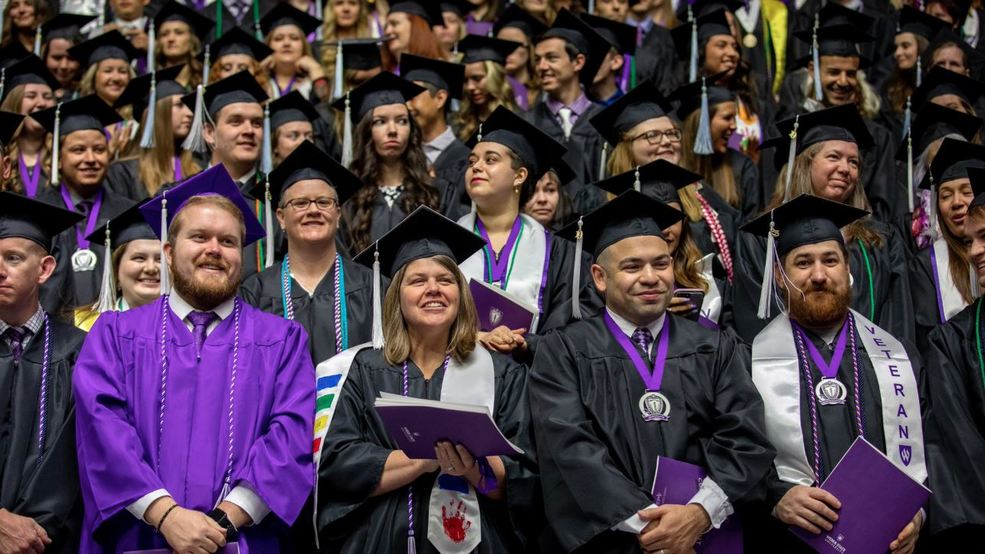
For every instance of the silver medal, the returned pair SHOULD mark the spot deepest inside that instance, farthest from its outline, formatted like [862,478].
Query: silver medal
[830,392]
[654,406]
[83,260]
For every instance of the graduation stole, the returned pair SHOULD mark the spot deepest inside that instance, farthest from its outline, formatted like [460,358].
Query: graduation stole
[526,274]
[776,373]
[949,300]
[711,306]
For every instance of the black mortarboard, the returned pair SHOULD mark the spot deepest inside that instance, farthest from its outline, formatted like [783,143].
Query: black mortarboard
[806,219]
[837,40]
[9,123]
[237,88]
[583,38]
[658,179]
[952,161]
[701,7]
[107,46]
[307,161]
[65,25]
[359,53]
[832,14]
[843,123]
[83,114]
[912,20]
[291,107]
[33,220]
[708,25]
[138,89]
[947,36]
[12,52]
[128,225]
[31,70]
[437,73]
[459,7]
[689,95]
[631,214]
[517,17]
[428,10]
[424,233]
[933,122]
[382,90]
[977,177]
[237,41]
[176,11]
[283,13]
[636,106]
[536,149]
[620,36]
[940,81]
[477,48]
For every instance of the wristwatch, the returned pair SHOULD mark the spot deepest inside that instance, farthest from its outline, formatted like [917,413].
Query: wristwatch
[222,518]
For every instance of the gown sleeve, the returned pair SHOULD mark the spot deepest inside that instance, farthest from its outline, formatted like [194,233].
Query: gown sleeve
[52,497]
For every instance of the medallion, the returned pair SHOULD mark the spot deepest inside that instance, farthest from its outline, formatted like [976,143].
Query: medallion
[83,260]
[749,40]
[654,406]
[830,392]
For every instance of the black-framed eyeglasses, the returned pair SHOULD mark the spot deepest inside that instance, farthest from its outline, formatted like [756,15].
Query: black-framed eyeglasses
[656,137]
[301,204]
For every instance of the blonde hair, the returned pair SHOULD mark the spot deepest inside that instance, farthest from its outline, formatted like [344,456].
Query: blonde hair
[255,71]
[330,32]
[461,336]
[156,165]
[501,94]
[87,85]
[190,75]
[715,169]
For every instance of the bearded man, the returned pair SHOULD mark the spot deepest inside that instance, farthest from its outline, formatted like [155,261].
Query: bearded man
[195,411]
[827,375]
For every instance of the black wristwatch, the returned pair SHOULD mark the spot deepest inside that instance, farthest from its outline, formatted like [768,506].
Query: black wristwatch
[222,519]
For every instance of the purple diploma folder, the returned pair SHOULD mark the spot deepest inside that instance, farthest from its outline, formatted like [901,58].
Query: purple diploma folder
[416,424]
[676,482]
[877,499]
[497,307]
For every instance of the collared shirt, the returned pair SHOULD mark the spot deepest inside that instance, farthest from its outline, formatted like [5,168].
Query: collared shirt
[970,28]
[138,24]
[245,178]
[32,327]
[182,308]
[628,328]
[434,148]
[578,107]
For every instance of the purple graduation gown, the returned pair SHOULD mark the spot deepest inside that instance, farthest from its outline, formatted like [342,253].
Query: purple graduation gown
[117,384]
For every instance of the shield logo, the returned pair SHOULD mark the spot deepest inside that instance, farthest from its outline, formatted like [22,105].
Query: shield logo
[495,316]
[906,453]
[830,389]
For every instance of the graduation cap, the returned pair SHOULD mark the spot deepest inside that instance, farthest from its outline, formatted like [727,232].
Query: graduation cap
[382,90]
[977,177]
[241,87]
[658,179]
[536,149]
[12,52]
[701,7]
[138,89]
[36,221]
[438,73]
[583,38]
[199,24]
[461,8]
[358,54]
[912,20]
[701,95]
[688,36]
[934,121]
[424,233]
[940,81]
[9,123]
[107,46]
[283,13]
[631,214]
[65,25]
[291,107]
[237,41]
[806,219]
[636,106]
[83,114]
[477,48]
[621,37]
[947,36]
[125,227]
[428,10]
[952,161]
[30,70]
[518,18]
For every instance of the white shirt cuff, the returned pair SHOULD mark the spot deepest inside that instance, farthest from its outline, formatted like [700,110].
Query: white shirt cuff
[251,503]
[633,524]
[713,499]
[139,508]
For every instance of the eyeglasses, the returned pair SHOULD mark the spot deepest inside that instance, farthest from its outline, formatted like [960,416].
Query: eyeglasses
[301,204]
[656,137]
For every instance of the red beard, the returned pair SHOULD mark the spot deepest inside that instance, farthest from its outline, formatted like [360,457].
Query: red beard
[201,294]
[820,308]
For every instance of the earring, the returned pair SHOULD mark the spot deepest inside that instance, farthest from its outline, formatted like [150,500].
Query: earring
[516,189]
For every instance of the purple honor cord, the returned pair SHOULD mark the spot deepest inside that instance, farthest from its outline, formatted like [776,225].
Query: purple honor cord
[29,179]
[91,218]
[652,379]
[498,272]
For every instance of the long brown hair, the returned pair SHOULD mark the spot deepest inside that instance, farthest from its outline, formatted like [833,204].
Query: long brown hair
[40,16]
[368,166]
[422,43]
[500,94]
[902,82]
[461,336]
[715,169]
[156,165]
[957,259]
[12,103]
[686,258]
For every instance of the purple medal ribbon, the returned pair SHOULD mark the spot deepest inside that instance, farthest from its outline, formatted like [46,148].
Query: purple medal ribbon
[91,218]
[652,379]
[497,274]
[285,90]
[519,92]
[29,180]
[828,369]
[178,176]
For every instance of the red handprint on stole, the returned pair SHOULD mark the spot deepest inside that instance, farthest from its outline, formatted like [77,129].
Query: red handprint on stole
[456,526]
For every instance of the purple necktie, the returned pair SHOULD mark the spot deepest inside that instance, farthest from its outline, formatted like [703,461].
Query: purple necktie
[200,322]
[643,338]
[16,338]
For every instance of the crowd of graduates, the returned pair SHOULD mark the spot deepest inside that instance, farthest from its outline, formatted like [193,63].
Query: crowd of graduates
[228,226]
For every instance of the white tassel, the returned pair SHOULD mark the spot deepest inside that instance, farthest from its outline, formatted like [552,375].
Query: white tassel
[147,139]
[909,171]
[702,142]
[976,289]
[791,155]
[576,278]
[907,116]
[637,186]
[816,59]
[267,150]
[37,42]
[207,61]
[195,141]
[3,7]
[932,223]
[337,86]
[3,70]
[377,301]
[55,145]
[591,6]
[603,160]
[347,134]
[692,72]
[165,275]
[101,16]
[107,287]
[411,545]
[319,32]
[919,71]
[268,219]
[769,281]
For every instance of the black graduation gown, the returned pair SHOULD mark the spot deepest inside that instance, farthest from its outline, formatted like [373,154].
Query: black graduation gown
[584,147]
[316,313]
[357,445]
[890,284]
[926,312]
[449,179]
[85,283]
[123,179]
[597,455]
[384,218]
[656,60]
[252,261]
[956,438]
[49,492]
[748,182]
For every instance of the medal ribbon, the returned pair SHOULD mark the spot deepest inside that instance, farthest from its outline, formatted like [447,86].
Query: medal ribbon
[91,218]
[178,176]
[29,180]
[496,268]
[285,90]
[828,369]
[652,379]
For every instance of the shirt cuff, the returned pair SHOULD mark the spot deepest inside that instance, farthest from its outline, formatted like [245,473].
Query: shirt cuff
[713,499]
[633,524]
[243,496]
[139,508]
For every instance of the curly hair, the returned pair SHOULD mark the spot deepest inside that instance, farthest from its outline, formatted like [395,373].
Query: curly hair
[368,166]
[12,103]
[500,92]
[422,43]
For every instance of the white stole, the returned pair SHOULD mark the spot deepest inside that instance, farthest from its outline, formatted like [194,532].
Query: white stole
[711,306]
[949,299]
[526,273]
[776,373]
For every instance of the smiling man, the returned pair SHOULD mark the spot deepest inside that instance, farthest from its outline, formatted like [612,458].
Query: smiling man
[612,393]
[195,411]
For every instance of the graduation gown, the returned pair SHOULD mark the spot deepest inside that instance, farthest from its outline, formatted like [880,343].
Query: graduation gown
[749,184]
[316,312]
[927,297]
[254,254]
[384,218]
[123,179]
[449,179]
[597,455]
[123,455]
[656,60]
[889,285]
[584,146]
[357,445]
[49,492]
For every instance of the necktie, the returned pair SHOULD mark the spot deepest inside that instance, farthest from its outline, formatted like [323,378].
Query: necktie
[84,206]
[565,113]
[16,338]
[643,338]
[200,323]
